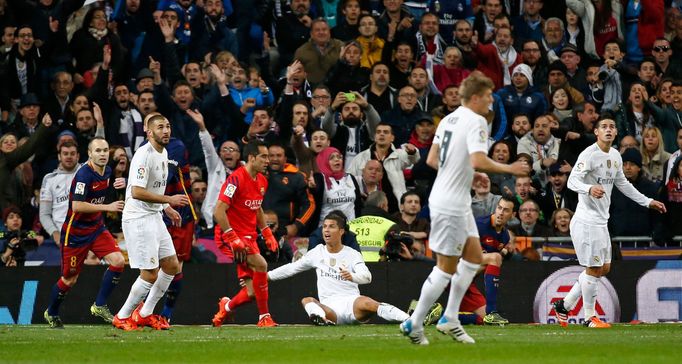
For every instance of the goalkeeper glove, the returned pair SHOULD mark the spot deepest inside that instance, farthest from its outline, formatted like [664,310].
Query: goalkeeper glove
[238,247]
[270,240]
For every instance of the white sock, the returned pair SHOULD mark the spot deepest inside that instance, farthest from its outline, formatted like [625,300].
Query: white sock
[574,294]
[459,283]
[588,284]
[389,312]
[137,293]
[312,308]
[159,288]
[433,287]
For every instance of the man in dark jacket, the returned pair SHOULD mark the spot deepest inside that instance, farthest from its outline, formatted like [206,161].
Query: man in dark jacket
[521,97]
[288,194]
[627,217]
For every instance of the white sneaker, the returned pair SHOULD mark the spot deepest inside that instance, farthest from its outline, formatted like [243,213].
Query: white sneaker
[455,330]
[416,337]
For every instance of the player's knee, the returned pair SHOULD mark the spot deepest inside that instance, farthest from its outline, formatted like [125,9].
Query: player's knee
[70,281]
[117,261]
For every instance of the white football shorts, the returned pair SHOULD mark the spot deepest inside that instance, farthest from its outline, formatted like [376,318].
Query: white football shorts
[592,244]
[148,241]
[449,233]
[343,307]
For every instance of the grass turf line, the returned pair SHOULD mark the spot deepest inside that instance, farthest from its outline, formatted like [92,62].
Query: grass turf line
[348,344]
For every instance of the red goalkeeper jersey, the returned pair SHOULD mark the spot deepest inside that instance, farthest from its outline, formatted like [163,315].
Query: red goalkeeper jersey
[245,196]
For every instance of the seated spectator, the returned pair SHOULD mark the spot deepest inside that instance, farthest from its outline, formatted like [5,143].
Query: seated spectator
[521,125]
[627,217]
[347,75]
[673,157]
[373,225]
[654,157]
[570,57]
[529,214]
[502,152]
[562,105]
[320,53]
[372,45]
[409,223]
[334,189]
[12,155]
[671,195]
[483,202]
[372,175]
[357,122]
[557,77]
[393,160]
[520,97]
[451,72]
[532,54]
[346,28]
[450,101]
[287,195]
[88,42]
[576,132]
[405,114]
[628,141]
[13,250]
[555,194]
[542,146]
[561,222]
[378,92]
[54,191]
[427,98]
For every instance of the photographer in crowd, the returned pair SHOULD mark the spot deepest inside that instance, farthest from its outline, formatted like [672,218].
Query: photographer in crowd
[14,243]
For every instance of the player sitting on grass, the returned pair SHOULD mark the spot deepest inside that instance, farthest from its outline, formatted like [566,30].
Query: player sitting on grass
[340,270]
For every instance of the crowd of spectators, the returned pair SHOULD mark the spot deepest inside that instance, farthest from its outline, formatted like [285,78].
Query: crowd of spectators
[348,95]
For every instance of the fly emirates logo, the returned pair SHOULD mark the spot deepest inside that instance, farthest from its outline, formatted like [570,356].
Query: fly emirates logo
[253,204]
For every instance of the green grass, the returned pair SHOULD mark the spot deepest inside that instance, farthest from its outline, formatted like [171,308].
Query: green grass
[640,344]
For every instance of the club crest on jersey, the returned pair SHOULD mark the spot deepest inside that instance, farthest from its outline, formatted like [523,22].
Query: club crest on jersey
[332,262]
[80,188]
[230,190]
[608,163]
[262,190]
[140,173]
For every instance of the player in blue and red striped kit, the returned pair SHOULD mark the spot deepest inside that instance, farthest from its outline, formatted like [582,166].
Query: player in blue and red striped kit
[84,231]
[178,183]
[495,242]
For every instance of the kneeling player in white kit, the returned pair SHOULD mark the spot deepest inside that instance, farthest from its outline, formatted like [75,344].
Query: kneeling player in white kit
[340,270]
[597,170]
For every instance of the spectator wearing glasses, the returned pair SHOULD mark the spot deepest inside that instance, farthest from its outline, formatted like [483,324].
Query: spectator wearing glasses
[529,214]
[662,53]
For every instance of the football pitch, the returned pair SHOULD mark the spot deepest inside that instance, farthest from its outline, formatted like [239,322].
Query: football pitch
[623,343]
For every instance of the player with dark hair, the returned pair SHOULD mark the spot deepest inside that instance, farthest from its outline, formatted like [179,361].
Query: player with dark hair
[150,246]
[84,230]
[340,270]
[237,214]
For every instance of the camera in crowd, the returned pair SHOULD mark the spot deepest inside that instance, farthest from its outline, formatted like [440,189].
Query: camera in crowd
[26,242]
[393,247]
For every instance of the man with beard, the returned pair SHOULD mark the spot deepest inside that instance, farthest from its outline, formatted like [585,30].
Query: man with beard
[219,165]
[553,39]
[378,92]
[558,78]
[556,195]
[287,194]
[532,56]
[293,29]
[150,247]
[542,146]
[464,40]
[123,122]
[355,130]
[145,102]
[577,133]
[305,155]
[498,59]
[210,32]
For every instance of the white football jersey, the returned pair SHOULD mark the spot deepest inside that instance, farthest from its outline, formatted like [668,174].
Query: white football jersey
[326,264]
[149,170]
[595,167]
[459,134]
[55,189]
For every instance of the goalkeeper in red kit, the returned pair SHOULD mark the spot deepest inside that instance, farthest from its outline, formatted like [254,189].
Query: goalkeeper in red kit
[237,213]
